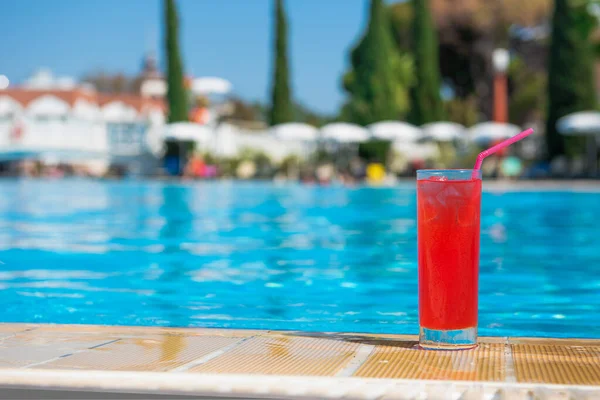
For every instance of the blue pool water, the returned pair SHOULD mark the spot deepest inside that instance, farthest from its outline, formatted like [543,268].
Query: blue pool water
[258,255]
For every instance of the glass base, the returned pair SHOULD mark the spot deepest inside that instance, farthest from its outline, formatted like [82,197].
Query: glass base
[459,339]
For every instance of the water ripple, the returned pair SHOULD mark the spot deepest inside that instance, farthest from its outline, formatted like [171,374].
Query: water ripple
[257,255]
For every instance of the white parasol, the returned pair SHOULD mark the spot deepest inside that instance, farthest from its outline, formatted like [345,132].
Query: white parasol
[443,131]
[295,131]
[343,132]
[395,130]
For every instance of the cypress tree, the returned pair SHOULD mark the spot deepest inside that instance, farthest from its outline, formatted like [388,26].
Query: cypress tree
[281,103]
[570,70]
[176,94]
[375,82]
[426,103]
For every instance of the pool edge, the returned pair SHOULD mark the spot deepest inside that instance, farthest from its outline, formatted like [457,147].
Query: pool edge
[351,365]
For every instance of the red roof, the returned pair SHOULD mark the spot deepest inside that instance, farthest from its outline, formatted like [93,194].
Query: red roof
[138,102]
[26,96]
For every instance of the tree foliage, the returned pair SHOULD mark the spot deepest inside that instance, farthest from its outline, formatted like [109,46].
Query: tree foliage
[244,111]
[570,69]
[377,84]
[462,110]
[281,101]
[176,93]
[468,32]
[304,114]
[426,103]
[484,15]
[527,93]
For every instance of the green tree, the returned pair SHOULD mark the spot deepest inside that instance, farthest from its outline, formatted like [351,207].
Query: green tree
[380,75]
[527,88]
[570,70]
[308,116]
[468,32]
[176,93]
[462,110]
[281,107]
[426,102]
[243,111]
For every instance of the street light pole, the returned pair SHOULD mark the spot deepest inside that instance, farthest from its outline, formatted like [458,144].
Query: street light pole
[500,60]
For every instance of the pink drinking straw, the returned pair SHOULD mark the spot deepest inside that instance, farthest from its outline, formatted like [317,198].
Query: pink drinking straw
[498,147]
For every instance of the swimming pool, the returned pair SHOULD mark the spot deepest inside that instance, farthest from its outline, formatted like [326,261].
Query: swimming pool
[259,255]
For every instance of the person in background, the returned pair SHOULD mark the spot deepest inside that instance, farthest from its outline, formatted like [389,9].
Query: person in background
[346,178]
[195,167]
[358,169]
[325,174]
[307,176]
[211,171]
[511,167]
[200,113]
[375,173]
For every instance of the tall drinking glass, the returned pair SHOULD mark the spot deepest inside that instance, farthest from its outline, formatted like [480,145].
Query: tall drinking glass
[448,203]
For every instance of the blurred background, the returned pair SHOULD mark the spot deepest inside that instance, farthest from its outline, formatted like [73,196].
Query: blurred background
[342,91]
[251,164]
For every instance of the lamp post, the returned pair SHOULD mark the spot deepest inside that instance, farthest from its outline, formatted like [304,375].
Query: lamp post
[500,61]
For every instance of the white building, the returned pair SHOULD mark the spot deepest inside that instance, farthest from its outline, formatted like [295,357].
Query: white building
[56,118]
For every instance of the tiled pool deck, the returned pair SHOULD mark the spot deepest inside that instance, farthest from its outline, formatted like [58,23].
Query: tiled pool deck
[266,364]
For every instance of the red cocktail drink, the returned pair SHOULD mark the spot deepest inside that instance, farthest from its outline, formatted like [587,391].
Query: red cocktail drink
[448,239]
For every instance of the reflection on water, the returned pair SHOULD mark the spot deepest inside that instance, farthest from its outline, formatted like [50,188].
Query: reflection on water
[245,255]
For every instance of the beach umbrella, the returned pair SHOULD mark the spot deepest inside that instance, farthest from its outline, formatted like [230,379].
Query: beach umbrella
[342,132]
[348,135]
[443,131]
[416,151]
[487,132]
[211,85]
[187,132]
[295,131]
[306,134]
[395,130]
[580,123]
[585,123]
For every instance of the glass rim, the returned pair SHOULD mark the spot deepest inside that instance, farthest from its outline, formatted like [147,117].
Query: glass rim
[447,170]
[449,174]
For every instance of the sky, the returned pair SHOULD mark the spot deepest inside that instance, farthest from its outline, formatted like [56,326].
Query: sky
[231,39]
